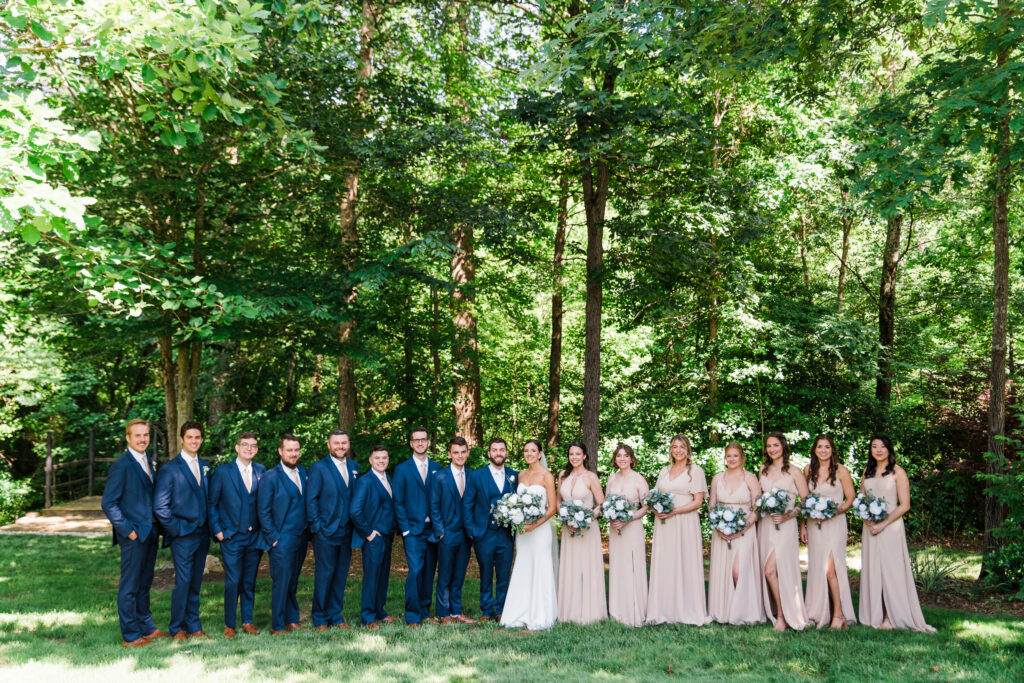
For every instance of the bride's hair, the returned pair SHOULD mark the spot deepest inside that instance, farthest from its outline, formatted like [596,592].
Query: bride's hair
[540,449]
[568,465]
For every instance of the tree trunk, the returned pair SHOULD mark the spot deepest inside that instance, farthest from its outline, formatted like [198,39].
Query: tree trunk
[169,375]
[347,229]
[435,352]
[847,230]
[218,400]
[555,363]
[1000,298]
[188,374]
[803,252]
[887,310]
[595,175]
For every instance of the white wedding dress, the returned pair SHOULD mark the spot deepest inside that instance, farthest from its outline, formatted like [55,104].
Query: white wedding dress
[531,599]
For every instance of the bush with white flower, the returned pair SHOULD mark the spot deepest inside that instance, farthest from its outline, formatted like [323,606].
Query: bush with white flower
[870,508]
[514,511]
[775,502]
[617,508]
[727,520]
[576,516]
[819,508]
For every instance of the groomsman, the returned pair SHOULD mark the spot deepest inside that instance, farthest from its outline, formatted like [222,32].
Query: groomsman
[181,504]
[373,514]
[282,513]
[128,504]
[412,506]
[494,545]
[447,489]
[328,501]
[235,524]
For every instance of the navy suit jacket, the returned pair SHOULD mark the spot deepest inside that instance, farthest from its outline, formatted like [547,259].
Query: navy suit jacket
[446,509]
[412,496]
[329,498]
[480,494]
[232,509]
[128,498]
[372,508]
[180,502]
[282,508]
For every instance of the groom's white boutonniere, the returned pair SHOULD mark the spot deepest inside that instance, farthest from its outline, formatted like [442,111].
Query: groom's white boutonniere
[206,470]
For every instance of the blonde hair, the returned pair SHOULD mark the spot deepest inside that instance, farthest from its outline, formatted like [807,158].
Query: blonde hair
[132,423]
[689,449]
[737,446]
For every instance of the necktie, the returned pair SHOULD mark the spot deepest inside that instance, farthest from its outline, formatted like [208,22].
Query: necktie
[193,464]
[294,475]
[344,472]
[460,482]
[144,462]
[384,480]
[423,472]
[247,477]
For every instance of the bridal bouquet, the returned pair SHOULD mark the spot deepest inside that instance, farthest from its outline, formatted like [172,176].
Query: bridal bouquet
[660,501]
[617,508]
[575,515]
[727,521]
[515,510]
[869,508]
[819,508]
[774,502]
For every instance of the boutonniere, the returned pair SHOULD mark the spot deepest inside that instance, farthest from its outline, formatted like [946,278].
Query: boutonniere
[355,474]
[206,470]
[509,478]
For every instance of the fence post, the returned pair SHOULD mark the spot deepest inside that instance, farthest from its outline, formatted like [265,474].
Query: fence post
[92,456]
[47,488]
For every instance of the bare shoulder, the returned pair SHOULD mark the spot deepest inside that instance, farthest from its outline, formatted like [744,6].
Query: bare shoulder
[900,472]
[797,474]
[844,471]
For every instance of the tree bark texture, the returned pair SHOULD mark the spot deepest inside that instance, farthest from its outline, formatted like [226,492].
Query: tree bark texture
[847,231]
[555,362]
[169,377]
[887,310]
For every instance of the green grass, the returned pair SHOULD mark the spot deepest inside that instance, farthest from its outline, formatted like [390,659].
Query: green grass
[58,621]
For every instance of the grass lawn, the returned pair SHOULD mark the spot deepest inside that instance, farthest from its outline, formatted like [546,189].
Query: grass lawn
[58,622]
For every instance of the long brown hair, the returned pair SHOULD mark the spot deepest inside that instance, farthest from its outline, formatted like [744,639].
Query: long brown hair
[833,463]
[785,452]
[689,450]
[628,450]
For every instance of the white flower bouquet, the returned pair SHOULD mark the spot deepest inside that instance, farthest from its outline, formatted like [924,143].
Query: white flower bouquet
[819,508]
[515,510]
[660,501]
[869,508]
[727,521]
[775,502]
[575,515]
[617,508]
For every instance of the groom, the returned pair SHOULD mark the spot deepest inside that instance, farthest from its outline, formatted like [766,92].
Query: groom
[494,545]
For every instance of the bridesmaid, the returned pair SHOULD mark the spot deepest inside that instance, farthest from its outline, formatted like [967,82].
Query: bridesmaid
[780,548]
[581,597]
[828,584]
[888,596]
[627,544]
[676,593]
[734,590]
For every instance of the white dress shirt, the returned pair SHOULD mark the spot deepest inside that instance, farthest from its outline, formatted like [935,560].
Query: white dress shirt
[193,464]
[246,472]
[342,466]
[499,476]
[142,460]
[460,479]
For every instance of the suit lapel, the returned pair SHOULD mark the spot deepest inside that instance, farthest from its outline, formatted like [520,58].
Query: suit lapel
[188,473]
[138,468]
[236,477]
[335,473]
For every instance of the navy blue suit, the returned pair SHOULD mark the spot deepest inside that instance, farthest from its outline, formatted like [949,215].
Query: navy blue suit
[412,507]
[446,512]
[282,513]
[233,513]
[328,501]
[128,504]
[494,545]
[373,509]
[181,505]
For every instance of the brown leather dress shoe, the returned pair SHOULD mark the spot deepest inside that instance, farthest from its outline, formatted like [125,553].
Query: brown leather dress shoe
[498,618]
[294,626]
[389,620]
[138,642]
[157,634]
[463,619]
[197,634]
[449,620]
[414,624]
[180,635]
[344,626]
[277,633]
[250,629]
[229,632]
[484,618]
[322,627]
[434,620]
[373,624]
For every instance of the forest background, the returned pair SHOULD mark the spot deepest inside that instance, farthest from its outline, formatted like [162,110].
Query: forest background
[588,219]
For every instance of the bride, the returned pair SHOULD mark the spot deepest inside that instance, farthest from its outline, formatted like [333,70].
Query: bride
[531,600]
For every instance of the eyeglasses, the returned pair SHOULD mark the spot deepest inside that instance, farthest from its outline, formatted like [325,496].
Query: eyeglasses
[420,440]
[248,446]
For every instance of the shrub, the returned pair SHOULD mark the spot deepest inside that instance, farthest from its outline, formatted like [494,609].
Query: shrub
[14,497]
[932,571]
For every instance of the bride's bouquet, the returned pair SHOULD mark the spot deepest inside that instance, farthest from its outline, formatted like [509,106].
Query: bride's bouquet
[869,508]
[515,510]
[660,501]
[575,515]
[617,508]
[819,508]
[727,520]
[774,502]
